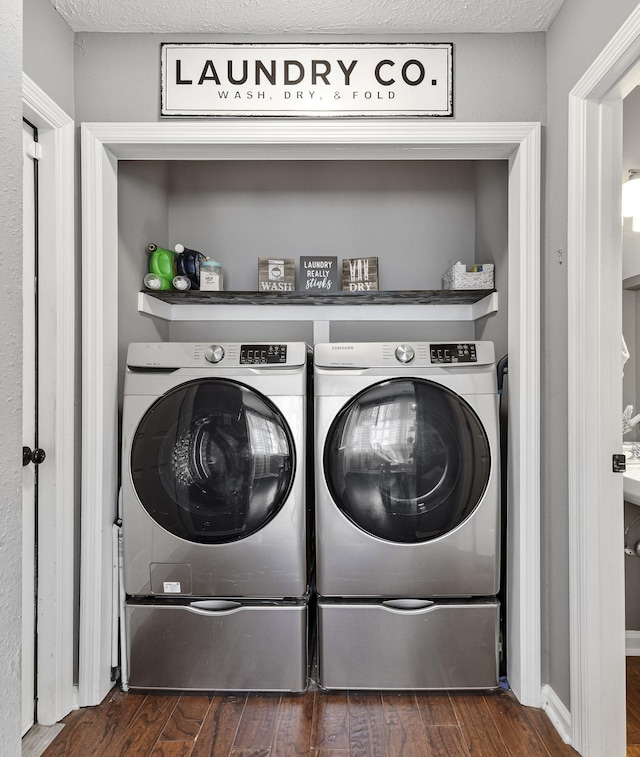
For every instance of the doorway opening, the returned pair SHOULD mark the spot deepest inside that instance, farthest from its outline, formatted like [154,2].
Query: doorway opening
[54,608]
[103,145]
[595,395]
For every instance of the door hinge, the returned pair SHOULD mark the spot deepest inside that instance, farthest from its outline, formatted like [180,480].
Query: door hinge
[33,149]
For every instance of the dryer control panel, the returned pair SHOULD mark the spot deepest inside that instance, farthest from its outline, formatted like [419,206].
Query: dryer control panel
[400,356]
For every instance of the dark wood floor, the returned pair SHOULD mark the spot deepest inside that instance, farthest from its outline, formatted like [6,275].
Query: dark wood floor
[321,724]
[318,724]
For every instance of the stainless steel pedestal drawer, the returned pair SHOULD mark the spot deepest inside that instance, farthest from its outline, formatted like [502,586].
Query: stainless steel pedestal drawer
[218,645]
[408,644]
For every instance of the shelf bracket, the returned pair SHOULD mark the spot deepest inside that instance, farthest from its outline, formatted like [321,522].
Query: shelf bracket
[321,331]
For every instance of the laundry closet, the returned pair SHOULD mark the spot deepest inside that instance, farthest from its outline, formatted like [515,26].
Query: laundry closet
[417,216]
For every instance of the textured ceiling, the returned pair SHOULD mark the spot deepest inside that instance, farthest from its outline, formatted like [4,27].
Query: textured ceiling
[308,16]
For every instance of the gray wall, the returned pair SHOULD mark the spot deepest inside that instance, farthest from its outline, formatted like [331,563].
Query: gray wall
[143,212]
[492,244]
[48,52]
[11,373]
[498,77]
[407,213]
[580,31]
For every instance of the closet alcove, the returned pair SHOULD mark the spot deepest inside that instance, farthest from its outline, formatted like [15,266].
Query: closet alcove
[107,300]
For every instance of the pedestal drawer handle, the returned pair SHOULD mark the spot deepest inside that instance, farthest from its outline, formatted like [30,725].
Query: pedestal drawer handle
[408,604]
[215,605]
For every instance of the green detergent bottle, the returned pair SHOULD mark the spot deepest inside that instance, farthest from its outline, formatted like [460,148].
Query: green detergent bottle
[162,265]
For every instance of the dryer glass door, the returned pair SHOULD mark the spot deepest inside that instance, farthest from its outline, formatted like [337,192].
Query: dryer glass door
[212,461]
[407,460]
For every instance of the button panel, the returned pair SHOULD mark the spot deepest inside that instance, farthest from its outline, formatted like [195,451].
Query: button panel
[453,353]
[263,354]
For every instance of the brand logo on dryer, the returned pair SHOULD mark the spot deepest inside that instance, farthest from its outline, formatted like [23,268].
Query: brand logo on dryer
[342,347]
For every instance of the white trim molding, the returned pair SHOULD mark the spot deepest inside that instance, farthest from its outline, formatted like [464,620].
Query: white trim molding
[632,643]
[523,483]
[594,258]
[104,144]
[557,713]
[56,516]
[99,417]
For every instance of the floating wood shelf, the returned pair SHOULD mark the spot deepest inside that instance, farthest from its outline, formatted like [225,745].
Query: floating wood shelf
[321,309]
[431,297]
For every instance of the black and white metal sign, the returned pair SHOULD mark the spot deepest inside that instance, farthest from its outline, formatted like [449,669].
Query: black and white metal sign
[200,79]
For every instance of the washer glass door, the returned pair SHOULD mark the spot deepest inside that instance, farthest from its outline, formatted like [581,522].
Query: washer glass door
[407,460]
[212,461]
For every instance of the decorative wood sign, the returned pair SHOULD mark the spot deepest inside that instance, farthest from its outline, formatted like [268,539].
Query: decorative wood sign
[402,79]
[360,274]
[318,275]
[276,274]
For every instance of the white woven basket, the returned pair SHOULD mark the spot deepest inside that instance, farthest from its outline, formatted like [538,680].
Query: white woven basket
[462,276]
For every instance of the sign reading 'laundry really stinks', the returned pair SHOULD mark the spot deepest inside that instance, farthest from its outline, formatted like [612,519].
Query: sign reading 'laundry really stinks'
[307,80]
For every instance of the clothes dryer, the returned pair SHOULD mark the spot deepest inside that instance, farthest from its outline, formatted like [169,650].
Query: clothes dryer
[407,515]
[214,516]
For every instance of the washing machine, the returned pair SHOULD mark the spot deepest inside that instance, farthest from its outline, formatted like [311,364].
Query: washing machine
[214,516]
[407,515]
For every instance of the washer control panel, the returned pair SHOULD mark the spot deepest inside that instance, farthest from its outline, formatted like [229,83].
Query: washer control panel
[464,352]
[263,354]
[253,356]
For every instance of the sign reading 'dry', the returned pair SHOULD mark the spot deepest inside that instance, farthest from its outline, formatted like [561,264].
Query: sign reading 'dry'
[207,79]
[360,275]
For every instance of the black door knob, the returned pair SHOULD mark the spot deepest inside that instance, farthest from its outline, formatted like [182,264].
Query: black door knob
[35,456]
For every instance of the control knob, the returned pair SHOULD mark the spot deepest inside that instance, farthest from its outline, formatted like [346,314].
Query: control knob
[405,353]
[214,353]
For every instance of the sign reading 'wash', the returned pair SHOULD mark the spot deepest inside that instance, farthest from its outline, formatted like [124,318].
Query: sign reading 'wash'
[307,80]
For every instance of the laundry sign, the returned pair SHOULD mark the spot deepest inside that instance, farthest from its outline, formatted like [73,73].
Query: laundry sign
[200,80]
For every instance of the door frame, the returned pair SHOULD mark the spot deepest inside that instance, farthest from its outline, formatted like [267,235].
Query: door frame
[104,144]
[595,395]
[29,421]
[56,693]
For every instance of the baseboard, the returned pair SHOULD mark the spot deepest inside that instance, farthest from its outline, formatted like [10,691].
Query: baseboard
[557,713]
[632,643]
